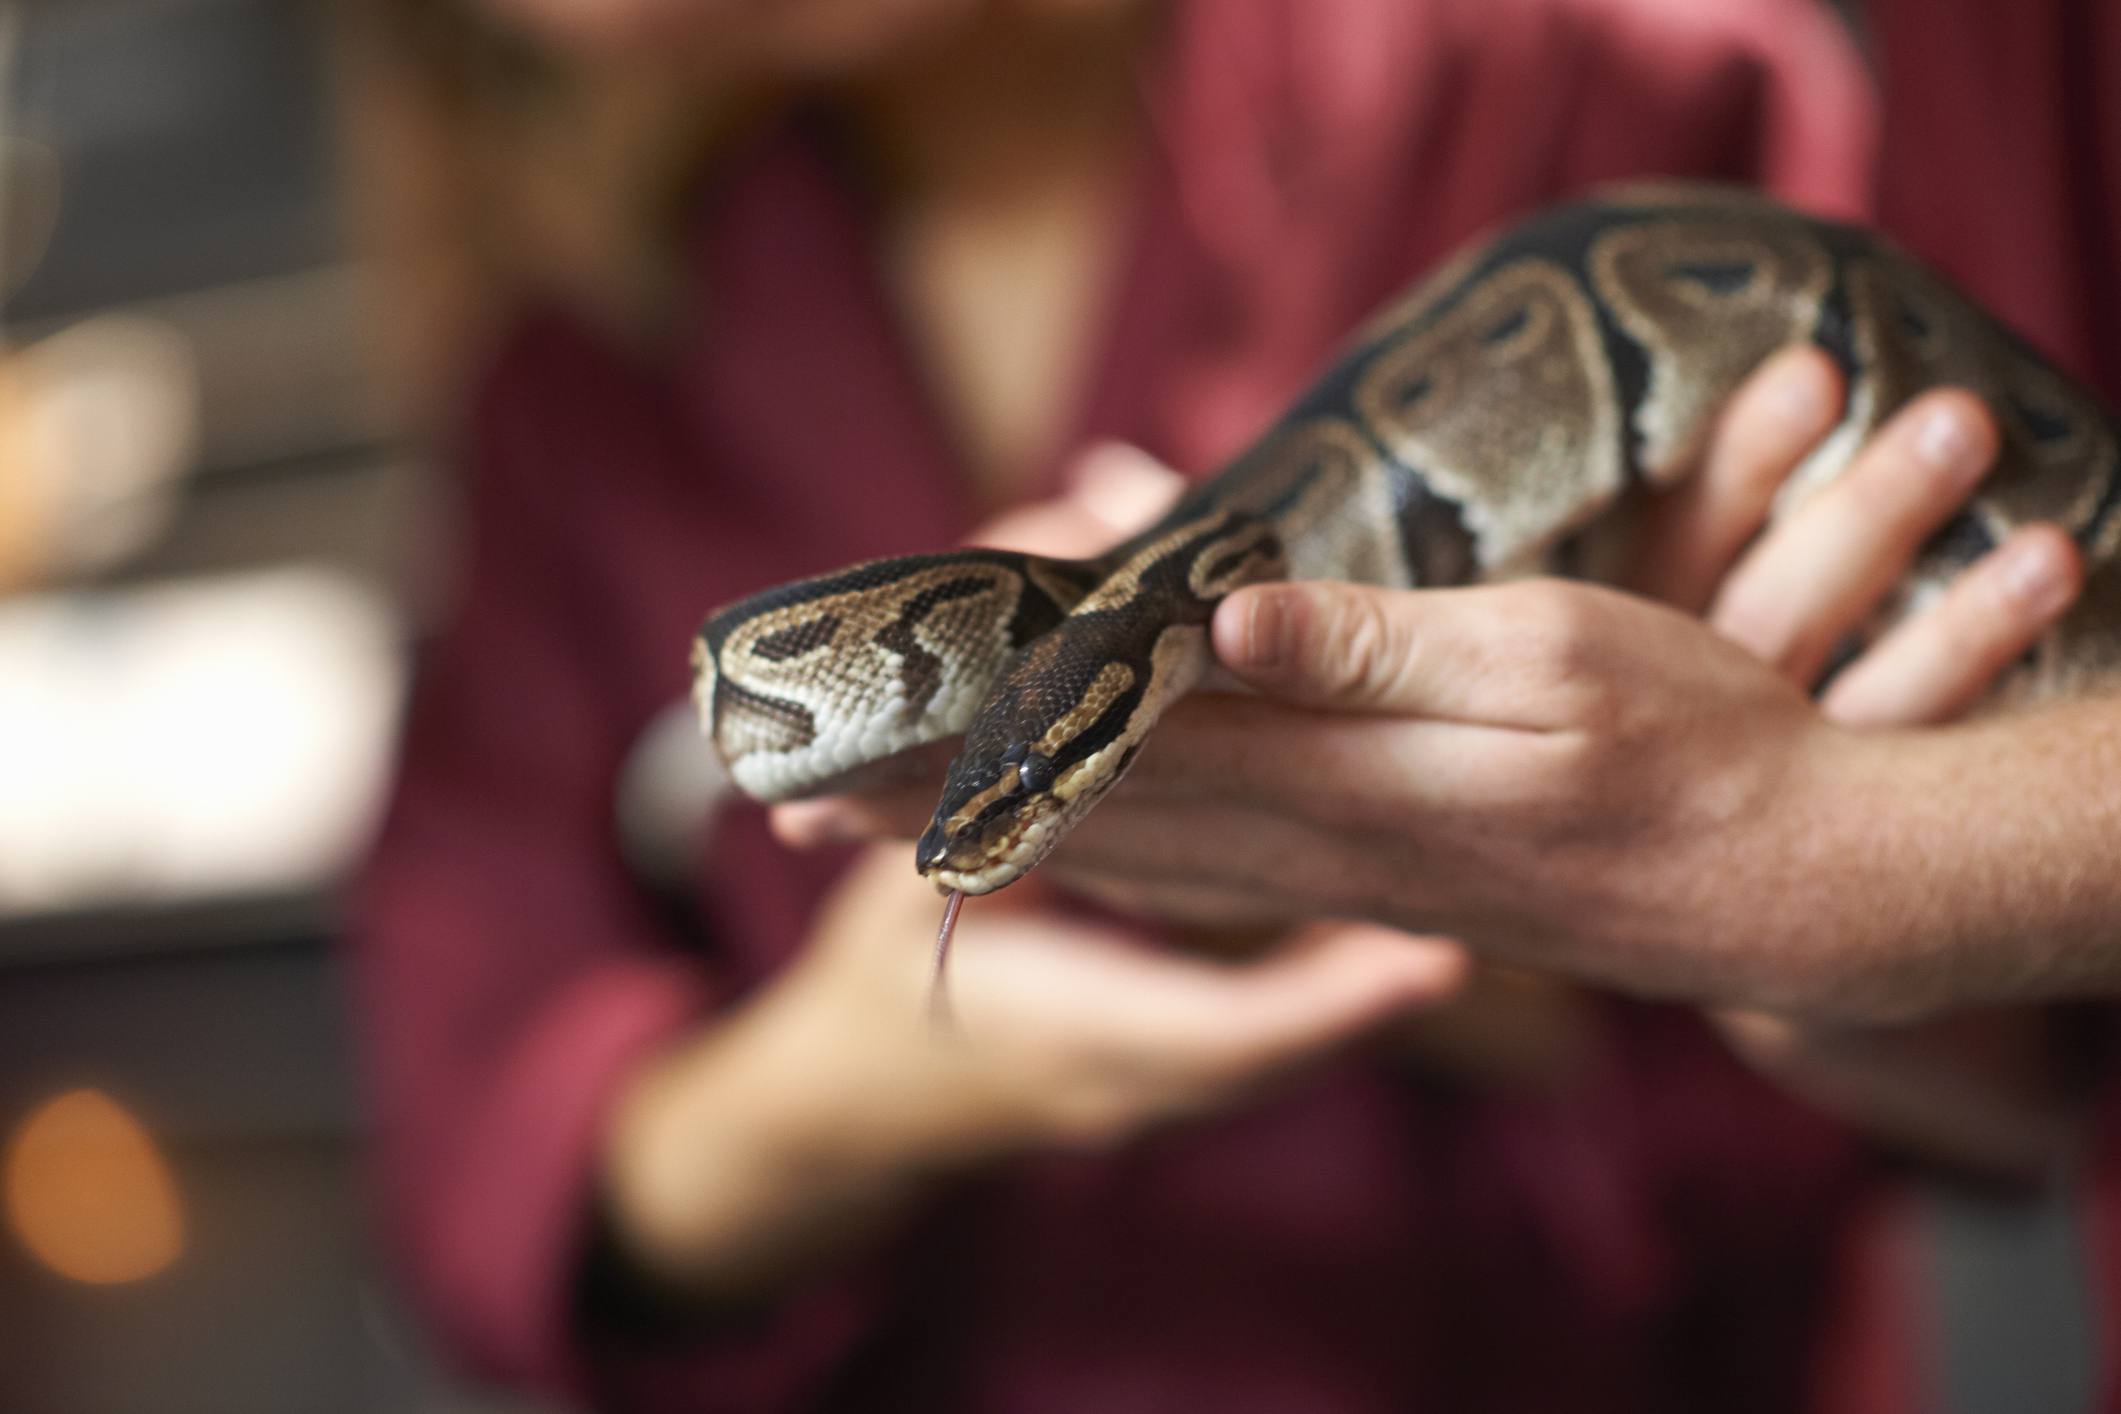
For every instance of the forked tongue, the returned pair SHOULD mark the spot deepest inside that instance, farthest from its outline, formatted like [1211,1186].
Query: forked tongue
[939,980]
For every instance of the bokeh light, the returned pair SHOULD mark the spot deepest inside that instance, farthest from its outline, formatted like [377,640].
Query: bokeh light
[89,1194]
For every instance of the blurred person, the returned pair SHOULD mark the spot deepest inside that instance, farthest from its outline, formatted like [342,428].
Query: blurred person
[737,293]
[1912,876]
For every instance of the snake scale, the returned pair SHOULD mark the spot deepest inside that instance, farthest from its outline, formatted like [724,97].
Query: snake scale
[1496,422]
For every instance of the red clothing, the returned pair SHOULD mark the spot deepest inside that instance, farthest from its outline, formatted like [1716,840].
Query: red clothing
[2002,161]
[2002,164]
[1654,1238]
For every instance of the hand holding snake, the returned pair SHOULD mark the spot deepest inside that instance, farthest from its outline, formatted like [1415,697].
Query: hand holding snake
[1520,412]
[1079,1035]
[1218,829]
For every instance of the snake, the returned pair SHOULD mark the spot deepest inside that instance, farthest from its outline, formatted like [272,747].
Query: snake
[1507,417]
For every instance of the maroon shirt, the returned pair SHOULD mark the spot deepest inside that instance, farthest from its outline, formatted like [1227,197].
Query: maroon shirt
[2002,165]
[1654,1236]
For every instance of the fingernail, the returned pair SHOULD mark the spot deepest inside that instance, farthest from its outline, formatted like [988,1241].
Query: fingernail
[1800,392]
[1266,639]
[2033,577]
[1946,441]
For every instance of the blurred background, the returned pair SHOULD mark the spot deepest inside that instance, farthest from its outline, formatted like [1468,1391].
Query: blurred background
[207,590]
[212,570]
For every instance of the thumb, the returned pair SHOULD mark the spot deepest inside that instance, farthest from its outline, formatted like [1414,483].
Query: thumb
[1519,655]
[1324,644]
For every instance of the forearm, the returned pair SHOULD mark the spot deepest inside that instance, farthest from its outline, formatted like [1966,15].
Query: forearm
[1983,862]
[787,1133]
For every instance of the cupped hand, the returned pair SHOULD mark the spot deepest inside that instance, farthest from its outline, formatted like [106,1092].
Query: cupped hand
[774,1137]
[1062,1030]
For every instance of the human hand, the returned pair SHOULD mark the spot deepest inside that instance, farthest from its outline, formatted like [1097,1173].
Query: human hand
[1476,763]
[1792,595]
[779,1135]
[1793,590]
[1978,1088]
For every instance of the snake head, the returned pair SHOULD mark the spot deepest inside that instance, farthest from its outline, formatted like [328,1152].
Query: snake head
[1067,718]
[1015,791]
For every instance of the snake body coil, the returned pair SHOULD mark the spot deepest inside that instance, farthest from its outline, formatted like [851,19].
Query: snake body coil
[1490,425]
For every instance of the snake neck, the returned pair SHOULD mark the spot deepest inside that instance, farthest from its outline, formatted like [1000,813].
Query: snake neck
[1066,720]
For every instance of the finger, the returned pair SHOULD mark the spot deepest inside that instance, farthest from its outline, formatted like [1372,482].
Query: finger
[1500,656]
[1272,860]
[1234,1025]
[1939,663]
[886,799]
[1340,770]
[1113,490]
[1189,906]
[1060,529]
[1237,754]
[1822,569]
[847,819]
[1775,420]
[1123,487]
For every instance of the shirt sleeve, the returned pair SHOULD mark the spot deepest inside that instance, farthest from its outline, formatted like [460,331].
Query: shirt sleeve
[508,971]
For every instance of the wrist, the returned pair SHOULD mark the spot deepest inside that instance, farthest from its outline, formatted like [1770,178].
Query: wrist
[1866,921]
[1940,868]
[739,1158]
[2016,837]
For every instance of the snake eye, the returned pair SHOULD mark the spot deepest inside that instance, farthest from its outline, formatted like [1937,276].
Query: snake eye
[1036,772]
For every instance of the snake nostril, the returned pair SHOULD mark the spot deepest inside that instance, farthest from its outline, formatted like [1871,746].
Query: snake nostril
[932,849]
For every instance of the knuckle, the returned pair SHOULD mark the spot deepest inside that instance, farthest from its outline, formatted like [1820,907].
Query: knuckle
[1556,616]
[1752,625]
[1566,641]
[1371,649]
[1772,628]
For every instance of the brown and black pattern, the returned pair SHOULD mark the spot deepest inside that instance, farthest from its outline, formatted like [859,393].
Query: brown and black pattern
[1499,420]
[1070,714]
[894,653]
[1706,301]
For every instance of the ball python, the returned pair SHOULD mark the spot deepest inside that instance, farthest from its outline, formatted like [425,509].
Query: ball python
[1500,420]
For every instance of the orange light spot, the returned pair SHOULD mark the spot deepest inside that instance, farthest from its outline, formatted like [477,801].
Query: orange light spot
[89,1194]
